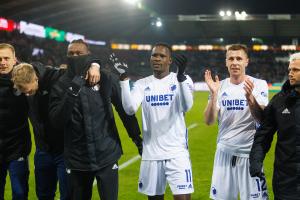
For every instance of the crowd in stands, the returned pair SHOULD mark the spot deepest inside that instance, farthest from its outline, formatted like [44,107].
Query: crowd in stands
[263,64]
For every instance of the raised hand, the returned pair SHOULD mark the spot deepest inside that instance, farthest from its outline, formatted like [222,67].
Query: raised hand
[181,62]
[212,85]
[248,87]
[121,67]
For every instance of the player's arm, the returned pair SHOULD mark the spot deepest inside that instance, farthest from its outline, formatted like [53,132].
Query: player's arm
[129,121]
[93,73]
[258,103]
[262,141]
[185,83]
[211,110]
[131,100]
[186,94]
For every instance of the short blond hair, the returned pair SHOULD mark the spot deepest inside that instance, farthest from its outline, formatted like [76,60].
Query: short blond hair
[295,56]
[23,73]
[8,46]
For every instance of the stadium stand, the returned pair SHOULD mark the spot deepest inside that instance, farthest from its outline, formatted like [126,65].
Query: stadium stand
[263,64]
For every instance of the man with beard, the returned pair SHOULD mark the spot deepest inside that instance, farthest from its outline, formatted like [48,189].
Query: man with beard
[282,115]
[238,101]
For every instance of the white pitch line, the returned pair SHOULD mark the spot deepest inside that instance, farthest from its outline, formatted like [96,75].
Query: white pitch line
[137,157]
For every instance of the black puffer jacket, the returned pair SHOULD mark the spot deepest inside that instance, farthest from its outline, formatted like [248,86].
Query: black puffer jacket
[281,115]
[15,138]
[91,137]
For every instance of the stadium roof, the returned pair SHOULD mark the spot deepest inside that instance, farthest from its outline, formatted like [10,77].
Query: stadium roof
[198,21]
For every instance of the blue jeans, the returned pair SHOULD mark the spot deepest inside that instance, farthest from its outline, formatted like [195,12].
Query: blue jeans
[49,169]
[19,174]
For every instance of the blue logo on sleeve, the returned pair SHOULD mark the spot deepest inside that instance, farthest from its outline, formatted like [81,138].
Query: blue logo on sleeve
[173,87]
[263,94]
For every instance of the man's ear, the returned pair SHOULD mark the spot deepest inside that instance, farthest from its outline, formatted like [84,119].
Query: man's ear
[170,61]
[16,61]
[247,62]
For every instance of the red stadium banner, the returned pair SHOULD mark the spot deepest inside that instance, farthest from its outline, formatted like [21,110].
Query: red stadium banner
[7,25]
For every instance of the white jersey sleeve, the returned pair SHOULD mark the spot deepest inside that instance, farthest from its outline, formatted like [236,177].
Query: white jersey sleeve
[261,91]
[131,100]
[186,94]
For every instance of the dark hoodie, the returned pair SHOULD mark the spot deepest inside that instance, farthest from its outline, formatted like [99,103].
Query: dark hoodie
[281,115]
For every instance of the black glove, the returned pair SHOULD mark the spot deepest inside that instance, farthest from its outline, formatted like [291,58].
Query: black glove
[181,62]
[120,67]
[256,169]
[139,144]
[76,85]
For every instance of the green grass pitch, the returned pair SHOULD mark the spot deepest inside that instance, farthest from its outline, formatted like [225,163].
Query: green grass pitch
[202,145]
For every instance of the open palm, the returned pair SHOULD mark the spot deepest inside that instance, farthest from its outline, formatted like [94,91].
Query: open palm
[212,85]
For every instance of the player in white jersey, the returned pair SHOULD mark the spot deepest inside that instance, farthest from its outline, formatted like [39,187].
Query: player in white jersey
[165,97]
[238,102]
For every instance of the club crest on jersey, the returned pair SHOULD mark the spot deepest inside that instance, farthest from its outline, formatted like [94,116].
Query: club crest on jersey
[263,94]
[173,87]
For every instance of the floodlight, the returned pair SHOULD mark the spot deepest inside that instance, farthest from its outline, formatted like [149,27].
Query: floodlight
[222,13]
[228,13]
[132,2]
[158,23]
[244,14]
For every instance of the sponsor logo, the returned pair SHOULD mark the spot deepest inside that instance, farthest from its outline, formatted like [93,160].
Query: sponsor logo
[21,159]
[265,195]
[286,111]
[181,187]
[256,195]
[224,94]
[214,190]
[235,104]
[147,89]
[115,166]
[159,100]
[190,186]
[140,184]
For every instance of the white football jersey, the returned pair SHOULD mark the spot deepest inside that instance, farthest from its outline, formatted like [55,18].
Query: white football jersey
[236,124]
[164,130]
